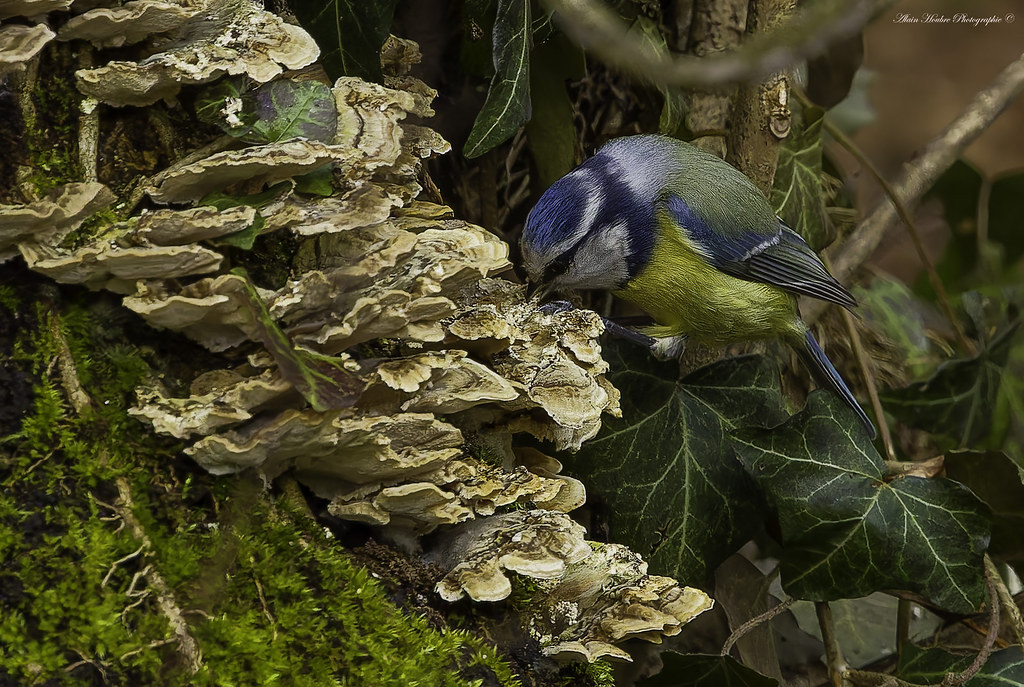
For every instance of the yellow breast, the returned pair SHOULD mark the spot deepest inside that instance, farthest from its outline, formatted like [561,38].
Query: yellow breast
[687,296]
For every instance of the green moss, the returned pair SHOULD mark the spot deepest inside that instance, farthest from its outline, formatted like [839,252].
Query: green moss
[9,298]
[91,229]
[598,674]
[267,594]
[52,131]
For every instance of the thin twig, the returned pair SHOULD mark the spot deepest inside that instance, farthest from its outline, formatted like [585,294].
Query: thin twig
[904,612]
[151,645]
[119,561]
[76,394]
[187,646]
[833,652]
[88,124]
[263,598]
[188,649]
[596,28]
[957,679]
[1009,604]
[867,678]
[754,622]
[921,174]
[908,221]
[864,362]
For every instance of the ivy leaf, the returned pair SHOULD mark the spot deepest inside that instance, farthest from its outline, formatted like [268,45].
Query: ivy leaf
[319,182]
[350,34]
[797,193]
[666,469]
[322,380]
[701,670]
[551,134]
[848,530]
[930,666]
[957,401]
[245,238]
[508,99]
[994,477]
[288,108]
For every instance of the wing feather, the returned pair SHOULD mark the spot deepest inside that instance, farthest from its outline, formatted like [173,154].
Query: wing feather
[780,257]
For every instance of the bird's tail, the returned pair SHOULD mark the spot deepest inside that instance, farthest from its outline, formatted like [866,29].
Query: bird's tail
[823,369]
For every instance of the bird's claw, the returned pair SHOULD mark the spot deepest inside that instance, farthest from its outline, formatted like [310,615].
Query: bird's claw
[555,307]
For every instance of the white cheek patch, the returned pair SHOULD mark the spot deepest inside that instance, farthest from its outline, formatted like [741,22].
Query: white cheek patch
[600,261]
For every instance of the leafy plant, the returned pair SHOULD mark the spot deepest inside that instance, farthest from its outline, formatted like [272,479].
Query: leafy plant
[275,111]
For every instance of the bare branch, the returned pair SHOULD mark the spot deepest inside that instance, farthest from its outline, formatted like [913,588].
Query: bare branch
[922,173]
[599,31]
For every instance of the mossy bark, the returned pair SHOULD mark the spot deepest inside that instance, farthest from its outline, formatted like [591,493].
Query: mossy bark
[128,565]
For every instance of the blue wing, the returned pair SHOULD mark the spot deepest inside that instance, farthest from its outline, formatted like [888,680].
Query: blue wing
[781,258]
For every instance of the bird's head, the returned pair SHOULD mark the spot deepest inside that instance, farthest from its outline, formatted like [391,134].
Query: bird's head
[595,227]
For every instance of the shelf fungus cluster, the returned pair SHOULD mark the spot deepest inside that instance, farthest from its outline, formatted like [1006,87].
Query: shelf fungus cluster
[590,597]
[394,371]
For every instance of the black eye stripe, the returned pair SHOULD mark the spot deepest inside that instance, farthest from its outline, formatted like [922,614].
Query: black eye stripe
[558,266]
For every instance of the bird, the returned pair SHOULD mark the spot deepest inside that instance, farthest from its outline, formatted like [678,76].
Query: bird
[691,241]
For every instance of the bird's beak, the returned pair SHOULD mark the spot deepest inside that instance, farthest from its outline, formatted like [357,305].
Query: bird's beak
[537,291]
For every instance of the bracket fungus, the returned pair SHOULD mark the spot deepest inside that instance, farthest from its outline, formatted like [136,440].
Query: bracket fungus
[31,8]
[393,368]
[220,398]
[19,44]
[479,555]
[132,22]
[593,596]
[110,266]
[49,220]
[179,227]
[226,37]
[269,163]
[609,598]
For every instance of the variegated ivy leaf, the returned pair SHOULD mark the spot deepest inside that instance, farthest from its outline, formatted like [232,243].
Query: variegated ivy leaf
[667,471]
[797,193]
[508,99]
[848,529]
[931,666]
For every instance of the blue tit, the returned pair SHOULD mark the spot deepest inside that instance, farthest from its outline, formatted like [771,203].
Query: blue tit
[687,238]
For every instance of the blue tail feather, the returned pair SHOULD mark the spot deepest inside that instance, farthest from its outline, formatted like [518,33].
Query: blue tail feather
[827,374]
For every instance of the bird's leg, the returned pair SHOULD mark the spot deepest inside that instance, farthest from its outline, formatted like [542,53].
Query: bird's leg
[632,335]
[669,347]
